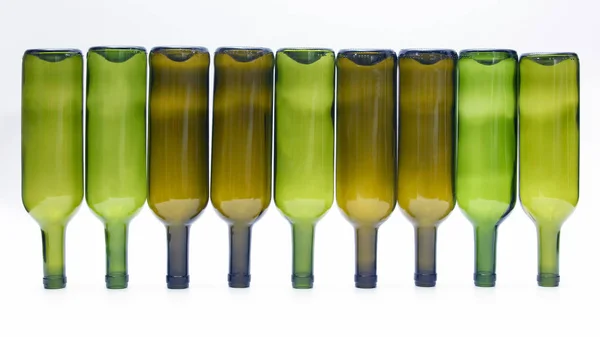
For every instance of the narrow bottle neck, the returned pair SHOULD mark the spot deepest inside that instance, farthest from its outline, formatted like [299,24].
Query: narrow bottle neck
[177,256]
[53,241]
[425,256]
[485,255]
[239,255]
[548,255]
[116,255]
[366,258]
[302,269]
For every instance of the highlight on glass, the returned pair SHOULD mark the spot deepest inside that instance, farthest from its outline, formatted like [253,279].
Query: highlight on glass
[487,149]
[241,147]
[549,150]
[304,146]
[366,147]
[178,148]
[426,149]
[116,147]
[52,149]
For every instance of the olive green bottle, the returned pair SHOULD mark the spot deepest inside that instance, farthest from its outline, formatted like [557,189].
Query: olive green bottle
[549,150]
[178,148]
[52,149]
[241,148]
[304,145]
[116,147]
[426,149]
[366,147]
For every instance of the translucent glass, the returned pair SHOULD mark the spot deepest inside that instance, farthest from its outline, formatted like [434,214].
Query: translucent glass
[549,150]
[116,147]
[242,148]
[366,146]
[426,145]
[178,148]
[52,149]
[304,137]
[487,149]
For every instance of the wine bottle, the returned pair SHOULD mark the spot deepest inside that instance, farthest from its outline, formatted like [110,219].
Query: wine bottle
[178,148]
[366,147]
[426,149]
[52,149]
[303,191]
[241,148]
[116,147]
[487,149]
[549,150]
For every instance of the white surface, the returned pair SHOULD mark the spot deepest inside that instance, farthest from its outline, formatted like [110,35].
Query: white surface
[270,307]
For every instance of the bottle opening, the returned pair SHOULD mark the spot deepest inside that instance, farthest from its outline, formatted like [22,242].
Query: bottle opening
[244,54]
[117,54]
[366,57]
[306,56]
[50,55]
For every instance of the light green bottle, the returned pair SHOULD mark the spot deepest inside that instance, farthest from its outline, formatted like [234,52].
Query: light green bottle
[304,146]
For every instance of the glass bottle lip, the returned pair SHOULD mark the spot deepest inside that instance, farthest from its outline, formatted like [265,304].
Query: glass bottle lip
[305,49]
[373,51]
[415,52]
[549,55]
[510,52]
[46,51]
[119,48]
[262,50]
[194,49]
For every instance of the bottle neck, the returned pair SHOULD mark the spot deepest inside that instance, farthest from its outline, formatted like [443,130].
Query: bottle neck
[53,241]
[302,269]
[115,234]
[177,256]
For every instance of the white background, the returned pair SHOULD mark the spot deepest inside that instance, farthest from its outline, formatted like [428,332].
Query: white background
[270,306]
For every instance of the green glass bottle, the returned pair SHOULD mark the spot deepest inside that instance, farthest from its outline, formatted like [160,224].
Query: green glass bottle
[487,149]
[366,150]
[549,150]
[304,145]
[52,149]
[116,147]
[426,145]
[241,148]
[178,148]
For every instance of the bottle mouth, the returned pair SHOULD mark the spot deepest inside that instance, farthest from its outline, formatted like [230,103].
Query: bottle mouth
[550,59]
[366,57]
[243,54]
[488,56]
[53,55]
[178,53]
[306,55]
[428,56]
[117,54]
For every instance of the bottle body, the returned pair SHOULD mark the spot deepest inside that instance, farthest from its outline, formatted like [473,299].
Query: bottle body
[241,147]
[178,148]
[549,150]
[366,145]
[116,147]
[304,145]
[486,149]
[426,145]
[52,149]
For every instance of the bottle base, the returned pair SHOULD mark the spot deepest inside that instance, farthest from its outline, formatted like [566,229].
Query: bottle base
[178,282]
[55,282]
[239,280]
[365,282]
[548,280]
[485,280]
[117,281]
[425,280]
[302,282]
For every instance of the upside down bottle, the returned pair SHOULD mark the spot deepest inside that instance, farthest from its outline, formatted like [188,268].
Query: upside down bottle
[366,136]
[549,150]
